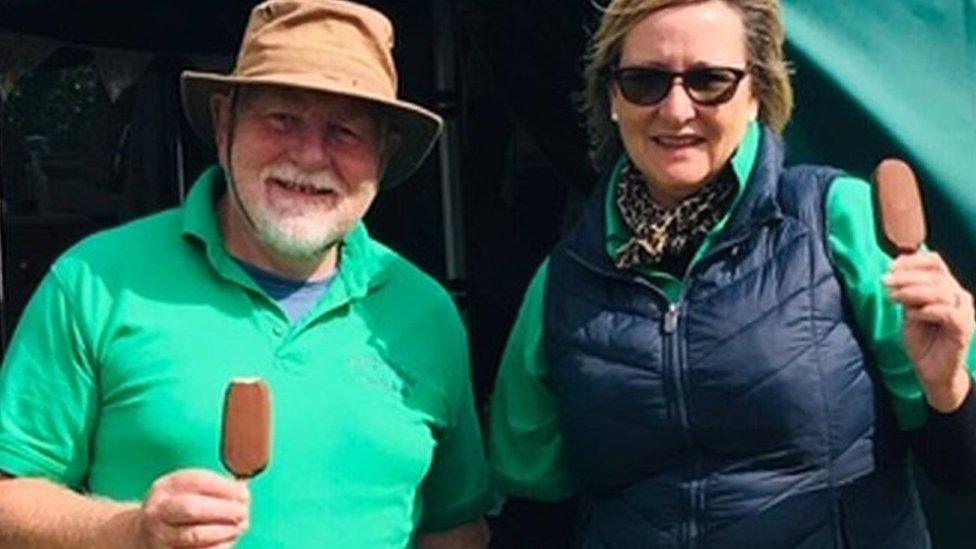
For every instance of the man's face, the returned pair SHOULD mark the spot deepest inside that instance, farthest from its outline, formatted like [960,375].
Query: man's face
[306,166]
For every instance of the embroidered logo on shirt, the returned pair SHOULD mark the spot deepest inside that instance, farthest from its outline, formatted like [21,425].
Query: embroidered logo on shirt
[388,377]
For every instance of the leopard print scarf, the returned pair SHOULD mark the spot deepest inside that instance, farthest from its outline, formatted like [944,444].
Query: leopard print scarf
[660,233]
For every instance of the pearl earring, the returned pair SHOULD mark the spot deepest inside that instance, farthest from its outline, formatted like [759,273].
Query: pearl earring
[613,116]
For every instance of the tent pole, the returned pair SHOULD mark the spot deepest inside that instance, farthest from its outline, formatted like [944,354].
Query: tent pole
[449,144]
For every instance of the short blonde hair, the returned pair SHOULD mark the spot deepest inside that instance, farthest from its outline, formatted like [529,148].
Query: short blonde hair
[764,48]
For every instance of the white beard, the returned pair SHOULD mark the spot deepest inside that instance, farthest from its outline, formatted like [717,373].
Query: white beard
[293,238]
[297,228]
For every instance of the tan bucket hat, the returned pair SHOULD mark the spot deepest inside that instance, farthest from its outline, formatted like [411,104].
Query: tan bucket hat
[324,45]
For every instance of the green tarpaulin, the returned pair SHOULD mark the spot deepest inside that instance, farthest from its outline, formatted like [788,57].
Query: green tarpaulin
[876,78]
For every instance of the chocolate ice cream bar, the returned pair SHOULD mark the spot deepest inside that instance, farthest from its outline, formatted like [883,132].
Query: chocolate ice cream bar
[898,207]
[246,442]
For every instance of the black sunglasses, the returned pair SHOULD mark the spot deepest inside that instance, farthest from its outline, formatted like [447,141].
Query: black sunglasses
[704,85]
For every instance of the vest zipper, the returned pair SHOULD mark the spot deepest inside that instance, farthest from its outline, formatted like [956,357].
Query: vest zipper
[690,531]
[671,318]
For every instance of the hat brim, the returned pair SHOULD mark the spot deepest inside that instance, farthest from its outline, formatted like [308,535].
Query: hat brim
[416,127]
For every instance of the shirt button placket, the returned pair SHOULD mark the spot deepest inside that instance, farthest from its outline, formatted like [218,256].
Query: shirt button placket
[279,335]
[281,362]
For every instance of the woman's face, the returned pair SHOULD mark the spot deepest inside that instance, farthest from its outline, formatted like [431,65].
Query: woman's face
[677,144]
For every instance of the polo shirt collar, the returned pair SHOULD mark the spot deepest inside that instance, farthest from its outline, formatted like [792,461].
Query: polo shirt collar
[199,208]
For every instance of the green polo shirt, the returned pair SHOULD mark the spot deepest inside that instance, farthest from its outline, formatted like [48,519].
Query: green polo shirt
[525,446]
[117,370]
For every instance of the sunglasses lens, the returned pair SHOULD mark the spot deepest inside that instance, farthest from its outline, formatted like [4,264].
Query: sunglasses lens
[705,86]
[711,86]
[643,86]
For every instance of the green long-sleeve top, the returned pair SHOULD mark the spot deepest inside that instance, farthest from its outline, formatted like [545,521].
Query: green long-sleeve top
[525,446]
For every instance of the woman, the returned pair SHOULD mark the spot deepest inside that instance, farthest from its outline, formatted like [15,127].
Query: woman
[720,354]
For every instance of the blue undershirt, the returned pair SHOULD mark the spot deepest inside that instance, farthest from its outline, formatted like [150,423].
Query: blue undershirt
[296,297]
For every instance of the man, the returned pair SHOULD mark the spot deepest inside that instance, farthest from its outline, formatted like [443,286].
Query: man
[110,395]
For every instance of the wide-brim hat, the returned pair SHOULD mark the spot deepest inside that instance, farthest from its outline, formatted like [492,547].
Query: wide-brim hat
[321,45]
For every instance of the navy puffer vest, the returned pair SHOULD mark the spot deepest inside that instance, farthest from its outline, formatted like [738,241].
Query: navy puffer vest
[741,415]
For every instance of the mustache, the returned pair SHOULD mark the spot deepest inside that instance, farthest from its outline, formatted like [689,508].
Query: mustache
[321,180]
